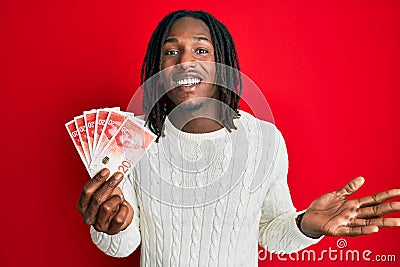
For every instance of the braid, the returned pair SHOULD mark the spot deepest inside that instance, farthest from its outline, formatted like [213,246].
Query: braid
[224,52]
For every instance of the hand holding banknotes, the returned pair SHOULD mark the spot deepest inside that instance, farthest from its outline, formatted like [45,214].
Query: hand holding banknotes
[108,141]
[102,203]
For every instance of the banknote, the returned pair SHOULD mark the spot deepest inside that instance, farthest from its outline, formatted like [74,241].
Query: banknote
[90,121]
[80,126]
[73,133]
[101,117]
[112,124]
[125,148]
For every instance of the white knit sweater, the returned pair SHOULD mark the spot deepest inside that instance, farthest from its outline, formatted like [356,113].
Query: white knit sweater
[209,199]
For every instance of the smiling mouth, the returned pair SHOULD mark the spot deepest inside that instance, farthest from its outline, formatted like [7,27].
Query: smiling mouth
[187,81]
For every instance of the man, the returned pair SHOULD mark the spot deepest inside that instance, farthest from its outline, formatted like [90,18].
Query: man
[192,200]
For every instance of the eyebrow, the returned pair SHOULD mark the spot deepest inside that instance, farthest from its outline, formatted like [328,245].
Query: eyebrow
[196,38]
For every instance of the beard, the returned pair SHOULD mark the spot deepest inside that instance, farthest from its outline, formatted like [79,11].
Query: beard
[190,106]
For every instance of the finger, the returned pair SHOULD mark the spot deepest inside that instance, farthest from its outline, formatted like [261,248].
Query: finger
[356,231]
[379,197]
[118,223]
[351,187]
[90,187]
[378,210]
[117,191]
[100,196]
[380,222]
[107,212]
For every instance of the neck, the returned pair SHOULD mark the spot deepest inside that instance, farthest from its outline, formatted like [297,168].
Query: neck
[204,120]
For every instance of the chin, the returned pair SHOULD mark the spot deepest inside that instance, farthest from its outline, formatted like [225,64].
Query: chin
[190,106]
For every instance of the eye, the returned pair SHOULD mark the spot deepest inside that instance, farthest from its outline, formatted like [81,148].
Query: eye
[202,51]
[171,52]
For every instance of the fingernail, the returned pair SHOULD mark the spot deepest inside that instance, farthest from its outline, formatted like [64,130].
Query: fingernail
[104,172]
[118,176]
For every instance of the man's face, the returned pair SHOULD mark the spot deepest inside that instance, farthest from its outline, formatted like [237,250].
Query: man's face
[187,59]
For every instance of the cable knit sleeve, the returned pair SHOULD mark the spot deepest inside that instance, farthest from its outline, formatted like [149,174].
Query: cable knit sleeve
[126,241]
[278,232]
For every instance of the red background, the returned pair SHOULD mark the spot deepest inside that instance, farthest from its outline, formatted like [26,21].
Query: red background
[329,69]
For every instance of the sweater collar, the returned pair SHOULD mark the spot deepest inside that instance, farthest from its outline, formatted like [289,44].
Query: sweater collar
[173,131]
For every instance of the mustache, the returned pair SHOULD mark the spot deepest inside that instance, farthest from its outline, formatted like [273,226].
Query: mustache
[179,75]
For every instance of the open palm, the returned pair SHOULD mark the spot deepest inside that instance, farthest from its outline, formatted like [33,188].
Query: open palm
[333,214]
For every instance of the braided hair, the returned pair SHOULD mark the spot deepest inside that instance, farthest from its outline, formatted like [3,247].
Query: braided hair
[157,105]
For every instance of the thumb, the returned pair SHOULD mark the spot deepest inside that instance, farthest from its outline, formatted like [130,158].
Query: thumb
[351,187]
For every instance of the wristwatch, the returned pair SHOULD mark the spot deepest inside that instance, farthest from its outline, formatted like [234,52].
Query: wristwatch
[298,220]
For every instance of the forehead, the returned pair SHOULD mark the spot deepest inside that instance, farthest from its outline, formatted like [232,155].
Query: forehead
[189,26]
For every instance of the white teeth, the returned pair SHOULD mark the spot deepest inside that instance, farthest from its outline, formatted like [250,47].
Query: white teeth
[188,81]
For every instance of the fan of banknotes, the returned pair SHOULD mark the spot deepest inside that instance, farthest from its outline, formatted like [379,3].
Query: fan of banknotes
[109,138]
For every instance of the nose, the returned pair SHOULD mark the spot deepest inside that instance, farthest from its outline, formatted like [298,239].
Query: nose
[187,59]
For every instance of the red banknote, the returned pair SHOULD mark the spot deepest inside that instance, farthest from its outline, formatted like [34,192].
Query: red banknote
[101,118]
[73,133]
[90,121]
[112,124]
[125,148]
[109,138]
[80,126]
